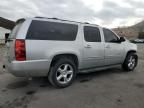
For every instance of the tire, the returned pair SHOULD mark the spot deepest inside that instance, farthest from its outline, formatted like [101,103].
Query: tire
[130,62]
[62,73]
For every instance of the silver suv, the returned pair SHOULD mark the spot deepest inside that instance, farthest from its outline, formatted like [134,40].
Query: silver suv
[59,49]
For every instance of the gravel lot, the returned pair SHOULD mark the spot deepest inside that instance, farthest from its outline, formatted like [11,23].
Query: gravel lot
[111,88]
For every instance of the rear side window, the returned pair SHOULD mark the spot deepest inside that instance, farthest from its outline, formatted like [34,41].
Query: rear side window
[43,30]
[92,34]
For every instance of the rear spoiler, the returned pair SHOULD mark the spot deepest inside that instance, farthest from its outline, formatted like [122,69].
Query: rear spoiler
[20,20]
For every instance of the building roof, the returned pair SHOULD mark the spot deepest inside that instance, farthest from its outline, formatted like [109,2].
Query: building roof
[5,23]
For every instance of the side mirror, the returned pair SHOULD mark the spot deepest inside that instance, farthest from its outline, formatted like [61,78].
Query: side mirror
[122,39]
[6,37]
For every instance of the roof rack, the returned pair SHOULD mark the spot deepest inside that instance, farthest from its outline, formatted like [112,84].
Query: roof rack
[46,17]
[62,20]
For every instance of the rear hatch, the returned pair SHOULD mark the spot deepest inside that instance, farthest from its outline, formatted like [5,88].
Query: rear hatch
[11,41]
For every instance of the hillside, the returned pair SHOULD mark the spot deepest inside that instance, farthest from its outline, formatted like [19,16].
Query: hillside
[131,31]
[139,26]
[5,23]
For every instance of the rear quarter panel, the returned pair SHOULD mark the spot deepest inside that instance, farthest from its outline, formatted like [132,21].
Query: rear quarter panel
[17,34]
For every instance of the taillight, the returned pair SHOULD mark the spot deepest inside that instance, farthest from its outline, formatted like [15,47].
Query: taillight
[20,53]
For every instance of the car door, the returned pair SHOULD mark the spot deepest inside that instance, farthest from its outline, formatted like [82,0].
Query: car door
[113,48]
[93,55]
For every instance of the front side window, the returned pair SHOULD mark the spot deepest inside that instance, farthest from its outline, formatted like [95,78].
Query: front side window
[109,36]
[44,30]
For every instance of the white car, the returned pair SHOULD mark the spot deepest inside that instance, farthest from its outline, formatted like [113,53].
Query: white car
[139,40]
[59,49]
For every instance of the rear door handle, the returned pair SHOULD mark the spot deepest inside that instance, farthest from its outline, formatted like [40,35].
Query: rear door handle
[88,46]
[107,46]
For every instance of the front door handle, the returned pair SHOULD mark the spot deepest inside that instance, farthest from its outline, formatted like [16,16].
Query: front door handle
[88,46]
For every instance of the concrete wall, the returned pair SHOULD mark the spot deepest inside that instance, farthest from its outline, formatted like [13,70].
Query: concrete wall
[2,34]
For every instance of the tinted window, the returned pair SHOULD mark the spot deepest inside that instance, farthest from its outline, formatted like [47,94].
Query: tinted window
[109,36]
[92,34]
[43,30]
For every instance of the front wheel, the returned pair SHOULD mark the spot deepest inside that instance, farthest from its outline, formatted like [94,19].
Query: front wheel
[62,73]
[130,62]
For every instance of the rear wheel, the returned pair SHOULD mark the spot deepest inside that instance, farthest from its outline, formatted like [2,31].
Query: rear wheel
[130,62]
[62,73]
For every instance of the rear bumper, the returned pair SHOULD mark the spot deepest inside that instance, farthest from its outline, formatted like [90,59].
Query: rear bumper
[30,68]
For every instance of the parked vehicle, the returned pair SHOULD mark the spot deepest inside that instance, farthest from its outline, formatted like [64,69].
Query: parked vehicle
[59,49]
[138,41]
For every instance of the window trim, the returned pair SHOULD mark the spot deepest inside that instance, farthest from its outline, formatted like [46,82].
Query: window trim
[93,27]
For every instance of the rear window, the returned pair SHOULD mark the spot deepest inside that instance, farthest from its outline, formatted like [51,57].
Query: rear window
[43,30]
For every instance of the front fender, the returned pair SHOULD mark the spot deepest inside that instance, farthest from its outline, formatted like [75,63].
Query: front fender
[130,47]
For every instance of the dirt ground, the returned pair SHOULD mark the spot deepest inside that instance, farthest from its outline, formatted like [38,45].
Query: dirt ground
[111,88]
